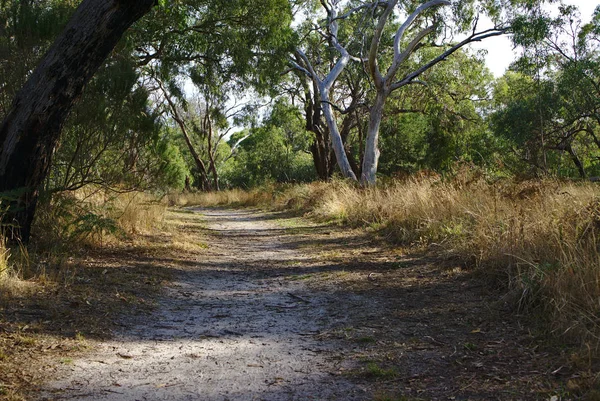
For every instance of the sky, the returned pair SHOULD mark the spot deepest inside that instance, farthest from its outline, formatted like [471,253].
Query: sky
[500,52]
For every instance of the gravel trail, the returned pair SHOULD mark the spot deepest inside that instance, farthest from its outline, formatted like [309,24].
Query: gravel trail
[232,327]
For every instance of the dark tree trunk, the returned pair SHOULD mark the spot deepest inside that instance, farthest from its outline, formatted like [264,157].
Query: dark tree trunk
[323,156]
[576,161]
[30,132]
[211,155]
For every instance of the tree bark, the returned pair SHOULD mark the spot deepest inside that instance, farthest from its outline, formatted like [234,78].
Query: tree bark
[30,132]
[336,138]
[371,158]
[323,157]
[211,155]
[576,161]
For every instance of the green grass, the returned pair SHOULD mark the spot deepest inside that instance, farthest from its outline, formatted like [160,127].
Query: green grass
[374,371]
[366,340]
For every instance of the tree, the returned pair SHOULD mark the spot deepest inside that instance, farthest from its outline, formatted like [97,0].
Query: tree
[216,47]
[420,23]
[30,131]
[277,150]
[323,84]
[548,106]
[387,83]
[436,126]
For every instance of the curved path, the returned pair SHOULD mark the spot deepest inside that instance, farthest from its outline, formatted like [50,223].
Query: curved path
[314,313]
[231,327]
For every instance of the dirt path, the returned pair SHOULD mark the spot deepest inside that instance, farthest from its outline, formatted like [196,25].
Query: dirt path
[279,309]
[227,329]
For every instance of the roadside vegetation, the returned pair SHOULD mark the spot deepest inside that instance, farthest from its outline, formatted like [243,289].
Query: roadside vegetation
[536,239]
[81,275]
[367,115]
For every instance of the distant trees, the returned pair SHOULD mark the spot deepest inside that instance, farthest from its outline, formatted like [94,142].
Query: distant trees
[547,110]
[276,151]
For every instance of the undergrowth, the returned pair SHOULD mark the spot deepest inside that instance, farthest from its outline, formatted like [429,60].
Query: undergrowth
[539,239]
[64,283]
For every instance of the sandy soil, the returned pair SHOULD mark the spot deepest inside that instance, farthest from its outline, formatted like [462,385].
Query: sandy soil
[225,330]
[280,309]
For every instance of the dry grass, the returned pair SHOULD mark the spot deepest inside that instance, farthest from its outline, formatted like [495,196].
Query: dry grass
[73,284]
[235,197]
[11,271]
[93,217]
[540,239]
[138,213]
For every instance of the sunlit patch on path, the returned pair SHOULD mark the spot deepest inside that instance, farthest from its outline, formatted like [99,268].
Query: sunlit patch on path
[231,327]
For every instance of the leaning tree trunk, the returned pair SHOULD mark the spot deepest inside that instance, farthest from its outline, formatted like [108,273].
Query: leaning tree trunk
[334,134]
[29,134]
[371,158]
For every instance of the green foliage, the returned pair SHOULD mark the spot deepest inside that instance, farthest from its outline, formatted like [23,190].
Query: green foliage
[27,28]
[435,127]
[276,151]
[245,41]
[548,111]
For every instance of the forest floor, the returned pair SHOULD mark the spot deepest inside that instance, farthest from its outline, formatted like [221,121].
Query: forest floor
[275,307]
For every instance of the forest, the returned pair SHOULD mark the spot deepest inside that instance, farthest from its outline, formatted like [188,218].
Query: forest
[349,172]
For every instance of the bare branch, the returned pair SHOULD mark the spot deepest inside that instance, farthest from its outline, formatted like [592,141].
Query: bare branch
[411,18]
[473,38]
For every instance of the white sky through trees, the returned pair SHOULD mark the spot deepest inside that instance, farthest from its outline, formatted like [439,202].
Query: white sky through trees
[500,52]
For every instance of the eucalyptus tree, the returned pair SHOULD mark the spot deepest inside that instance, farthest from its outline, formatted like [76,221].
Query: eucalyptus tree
[402,49]
[420,23]
[324,78]
[112,137]
[438,125]
[213,113]
[219,47]
[548,107]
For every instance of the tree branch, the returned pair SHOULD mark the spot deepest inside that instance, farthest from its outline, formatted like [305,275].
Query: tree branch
[473,38]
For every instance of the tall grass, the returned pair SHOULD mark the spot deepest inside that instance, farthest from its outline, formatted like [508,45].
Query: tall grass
[86,218]
[11,269]
[260,196]
[93,217]
[539,239]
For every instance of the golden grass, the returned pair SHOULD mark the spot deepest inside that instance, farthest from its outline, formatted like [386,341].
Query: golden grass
[539,239]
[138,213]
[95,217]
[11,282]
[233,197]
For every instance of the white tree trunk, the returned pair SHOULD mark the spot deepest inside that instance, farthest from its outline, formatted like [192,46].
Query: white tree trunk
[336,138]
[371,158]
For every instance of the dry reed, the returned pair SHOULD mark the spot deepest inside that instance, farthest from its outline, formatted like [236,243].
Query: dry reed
[540,239]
